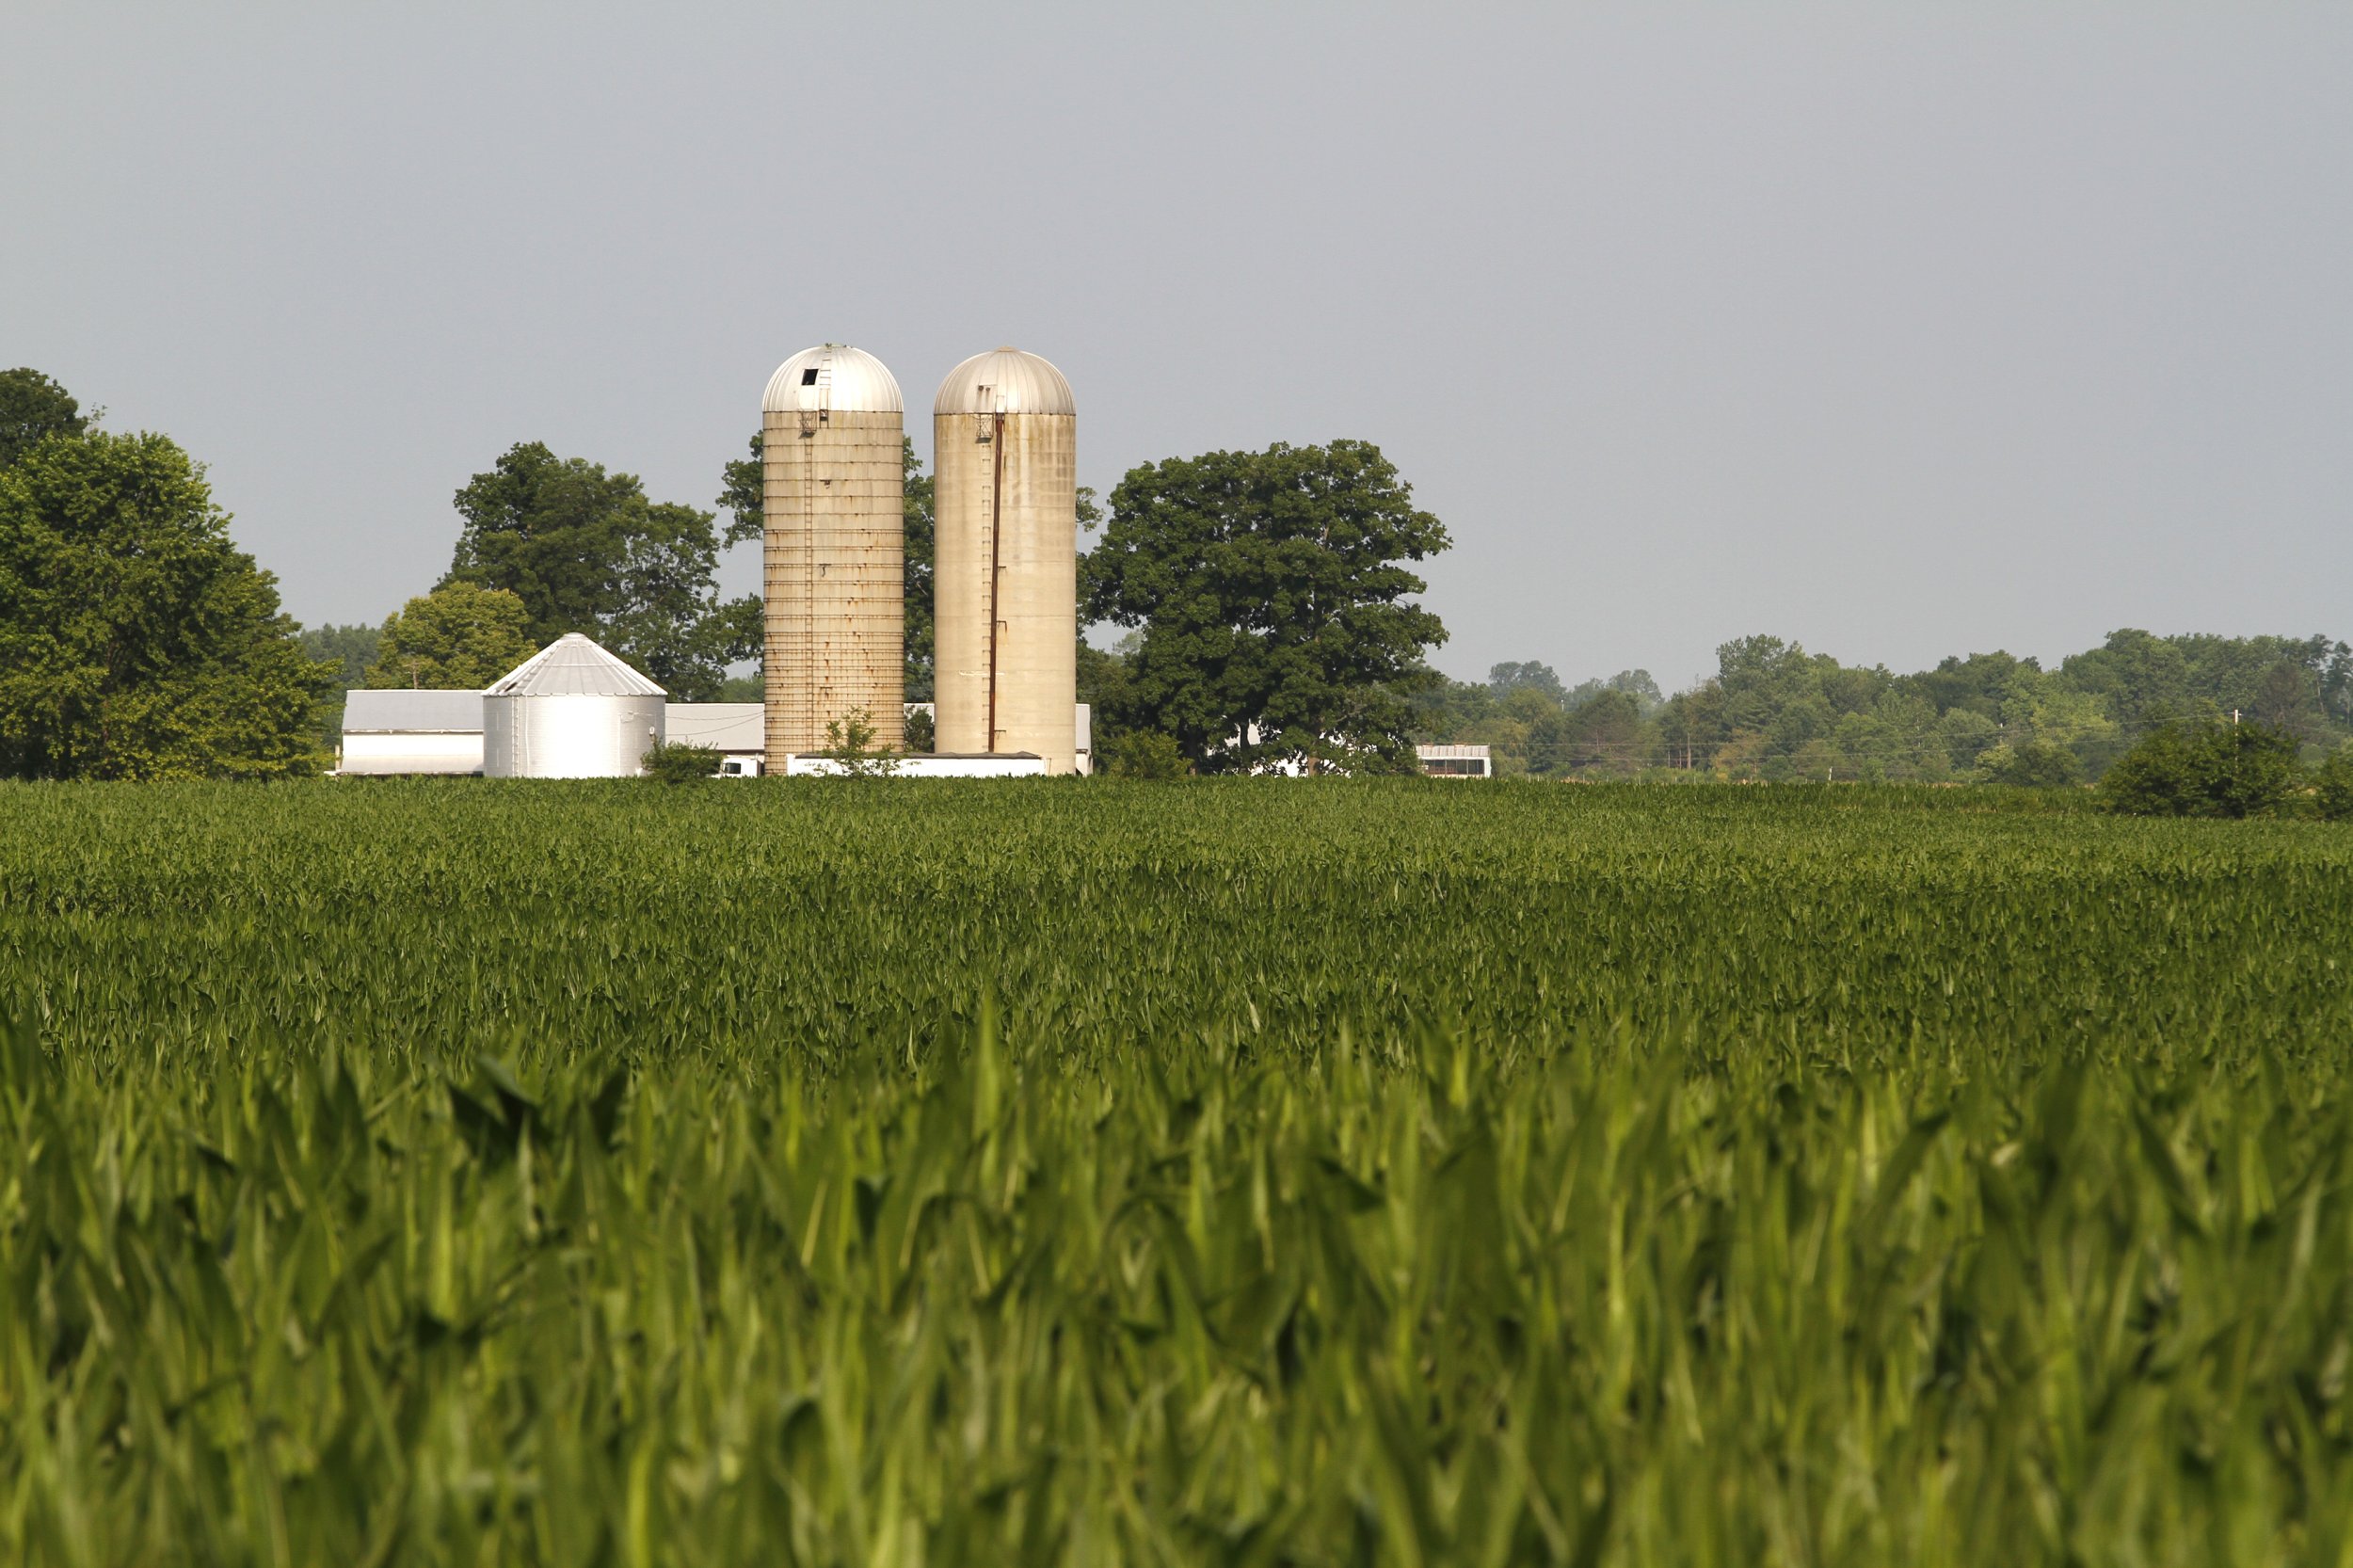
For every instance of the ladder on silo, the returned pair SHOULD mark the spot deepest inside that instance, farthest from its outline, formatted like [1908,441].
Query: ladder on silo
[988,429]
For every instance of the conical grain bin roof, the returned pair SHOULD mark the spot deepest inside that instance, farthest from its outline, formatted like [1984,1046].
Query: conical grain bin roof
[572,666]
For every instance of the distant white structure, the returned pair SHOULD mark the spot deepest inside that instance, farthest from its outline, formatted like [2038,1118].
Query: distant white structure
[1456,761]
[1082,732]
[411,732]
[736,731]
[570,710]
[442,732]
[990,764]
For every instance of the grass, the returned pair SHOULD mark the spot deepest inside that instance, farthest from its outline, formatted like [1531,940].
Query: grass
[1224,1172]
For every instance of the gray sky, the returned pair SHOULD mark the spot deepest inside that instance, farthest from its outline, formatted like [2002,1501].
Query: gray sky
[1900,330]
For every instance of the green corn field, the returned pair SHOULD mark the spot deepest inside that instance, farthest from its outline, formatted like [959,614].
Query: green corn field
[1249,1172]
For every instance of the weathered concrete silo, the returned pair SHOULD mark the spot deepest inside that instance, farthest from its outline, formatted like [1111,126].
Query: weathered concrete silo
[570,710]
[832,437]
[1007,457]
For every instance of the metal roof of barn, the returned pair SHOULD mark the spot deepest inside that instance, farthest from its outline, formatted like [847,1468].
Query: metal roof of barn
[572,666]
[721,725]
[412,712]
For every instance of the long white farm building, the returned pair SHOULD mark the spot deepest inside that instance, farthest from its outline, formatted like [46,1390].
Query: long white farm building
[574,710]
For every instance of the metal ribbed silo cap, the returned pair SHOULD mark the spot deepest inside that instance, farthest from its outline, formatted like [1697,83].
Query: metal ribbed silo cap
[572,666]
[833,375]
[1005,381]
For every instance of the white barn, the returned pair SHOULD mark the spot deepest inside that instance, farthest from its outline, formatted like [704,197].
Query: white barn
[411,732]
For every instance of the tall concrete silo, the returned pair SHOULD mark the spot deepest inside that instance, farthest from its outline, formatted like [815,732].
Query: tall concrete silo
[832,437]
[1007,457]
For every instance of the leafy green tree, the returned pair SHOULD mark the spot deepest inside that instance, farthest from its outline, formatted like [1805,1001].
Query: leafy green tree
[348,651]
[588,553]
[1602,734]
[458,637]
[136,640]
[349,648]
[2335,668]
[673,625]
[744,494]
[1637,685]
[2145,679]
[33,406]
[2031,764]
[2332,786]
[2288,698]
[1505,679]
[1106,686]
[1967,735]
[851,741]
[919,730]
[2185,769]
[1274,608]
[1900,740]
[1976,684]
[921,559]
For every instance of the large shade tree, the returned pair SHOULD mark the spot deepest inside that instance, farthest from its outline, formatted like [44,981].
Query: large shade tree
[1271,602]
[586,550]
[136,640]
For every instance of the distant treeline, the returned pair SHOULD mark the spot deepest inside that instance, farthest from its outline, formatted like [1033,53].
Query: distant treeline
[1773,711]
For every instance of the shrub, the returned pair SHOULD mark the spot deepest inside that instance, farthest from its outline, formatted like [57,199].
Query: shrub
[2203,769]
[680,764]
[922,731]
[1145,754]
[849,740]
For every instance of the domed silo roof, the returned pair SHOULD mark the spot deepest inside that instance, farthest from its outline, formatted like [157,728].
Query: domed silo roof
[1004,381]
[833,375]
[572,666]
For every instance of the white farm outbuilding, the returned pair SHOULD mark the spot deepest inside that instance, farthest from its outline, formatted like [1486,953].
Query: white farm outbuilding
[412,732]
[736,731]
[574,710]
[570,710]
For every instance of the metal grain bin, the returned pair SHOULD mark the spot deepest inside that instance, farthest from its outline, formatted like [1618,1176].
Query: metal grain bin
[570,710]
[832,440]
[1006,454]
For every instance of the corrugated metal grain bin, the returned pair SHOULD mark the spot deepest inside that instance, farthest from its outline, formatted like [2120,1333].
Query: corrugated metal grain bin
[570,710]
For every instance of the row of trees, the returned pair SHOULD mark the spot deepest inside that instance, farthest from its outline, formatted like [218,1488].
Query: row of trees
[1774,710]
